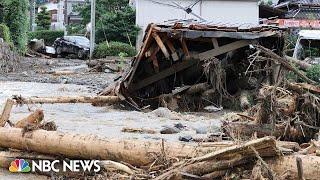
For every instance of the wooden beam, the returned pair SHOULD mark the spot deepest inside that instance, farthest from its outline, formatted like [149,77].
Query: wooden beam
[161,45]
[215,43]
[185,49]
[174,54]
[6,112]
[142,52]
[184,64]
[223,49]
[163,74]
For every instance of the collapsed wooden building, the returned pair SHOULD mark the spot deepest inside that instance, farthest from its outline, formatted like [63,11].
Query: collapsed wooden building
[215,61]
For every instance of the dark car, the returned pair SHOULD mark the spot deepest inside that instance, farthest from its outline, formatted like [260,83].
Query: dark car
[78,45]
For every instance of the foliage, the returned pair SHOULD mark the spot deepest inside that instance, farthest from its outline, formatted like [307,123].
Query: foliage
[16,17]
[2,11]
[48,36]
[265,2]
[76,29]
[314,73]
[290,43]
[5,34]
[115,20]
[114,49]
[43,19]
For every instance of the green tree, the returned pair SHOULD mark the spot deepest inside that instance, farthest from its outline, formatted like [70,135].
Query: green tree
[43,19]
[115,20]
[16,18]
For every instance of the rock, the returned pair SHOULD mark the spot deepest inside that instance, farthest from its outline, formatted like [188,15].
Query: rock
[201,130]
[180,126]
[213,109]
[169,130]
[166,113]
[186,138]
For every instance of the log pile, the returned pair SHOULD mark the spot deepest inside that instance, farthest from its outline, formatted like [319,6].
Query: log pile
[153,160]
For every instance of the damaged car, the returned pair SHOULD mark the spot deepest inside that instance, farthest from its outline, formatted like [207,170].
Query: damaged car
[77,45]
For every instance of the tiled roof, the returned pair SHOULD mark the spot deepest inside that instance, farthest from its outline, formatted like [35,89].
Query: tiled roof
[304,13]
[306,2]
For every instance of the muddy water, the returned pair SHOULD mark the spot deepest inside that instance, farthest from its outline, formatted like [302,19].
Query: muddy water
[102,121]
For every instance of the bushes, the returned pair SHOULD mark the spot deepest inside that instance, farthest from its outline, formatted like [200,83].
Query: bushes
[17,20]
[114,49]
[48,36]
[5,34]
[314,73]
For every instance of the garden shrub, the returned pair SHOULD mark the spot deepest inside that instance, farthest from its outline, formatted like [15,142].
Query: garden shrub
[114,49]
[47,35]
[5,34]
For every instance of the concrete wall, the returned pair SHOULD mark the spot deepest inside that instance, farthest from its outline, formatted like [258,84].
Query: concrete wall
[218,11]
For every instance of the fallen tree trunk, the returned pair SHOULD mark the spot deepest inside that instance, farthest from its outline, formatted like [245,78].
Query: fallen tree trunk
[283,61]
[6,157]
[303,65]
[287,165]
[53,100]
[303,87]
[248,129]
[136,153]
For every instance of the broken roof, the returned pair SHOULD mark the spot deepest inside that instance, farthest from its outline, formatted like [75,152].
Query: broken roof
[286,3]
[192,30]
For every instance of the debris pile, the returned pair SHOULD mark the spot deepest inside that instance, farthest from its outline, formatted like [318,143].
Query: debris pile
[287,110]
[9,59]
[191,66]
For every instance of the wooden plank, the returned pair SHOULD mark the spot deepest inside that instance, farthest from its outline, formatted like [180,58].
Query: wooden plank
[184,64]
[185,49]
[141,54]
[223,49]
[174,54]
[163,74]
[215,43]
[6,112]
[161,45]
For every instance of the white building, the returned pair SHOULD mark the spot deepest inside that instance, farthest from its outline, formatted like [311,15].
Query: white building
[62,12]
[55,9]
[213,11]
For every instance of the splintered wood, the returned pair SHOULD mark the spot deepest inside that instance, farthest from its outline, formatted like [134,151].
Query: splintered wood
[223,159]
[6,112]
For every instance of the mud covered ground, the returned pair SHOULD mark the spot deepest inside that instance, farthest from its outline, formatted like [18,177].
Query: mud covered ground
[40,70]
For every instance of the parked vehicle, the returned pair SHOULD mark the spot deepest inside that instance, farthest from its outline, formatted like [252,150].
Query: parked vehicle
[78,45]
[308,46]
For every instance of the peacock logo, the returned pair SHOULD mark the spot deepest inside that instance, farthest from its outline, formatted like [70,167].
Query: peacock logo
[19,165]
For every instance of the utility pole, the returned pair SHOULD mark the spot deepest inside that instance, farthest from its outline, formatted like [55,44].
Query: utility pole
[32,14]
[93,27]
